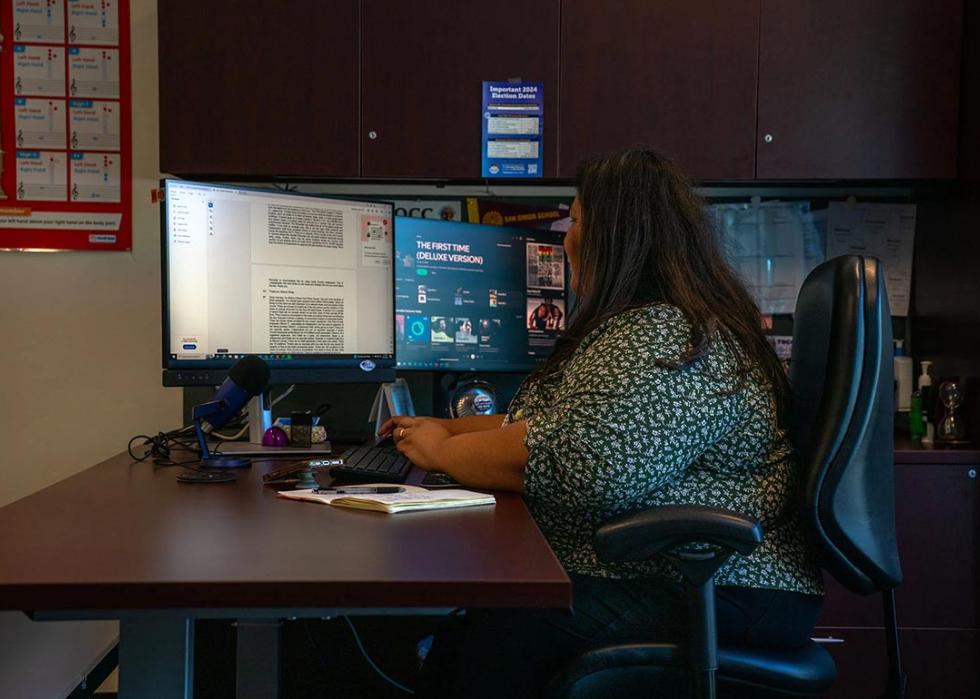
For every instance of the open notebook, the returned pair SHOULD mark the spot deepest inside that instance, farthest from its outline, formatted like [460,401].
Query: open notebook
[411,498]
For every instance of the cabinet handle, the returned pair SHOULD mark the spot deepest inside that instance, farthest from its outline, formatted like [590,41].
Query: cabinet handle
[372,135]
[828,640]
[767,138]
[972,473]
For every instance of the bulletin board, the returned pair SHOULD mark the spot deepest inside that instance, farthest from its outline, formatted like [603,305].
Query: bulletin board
[65,125]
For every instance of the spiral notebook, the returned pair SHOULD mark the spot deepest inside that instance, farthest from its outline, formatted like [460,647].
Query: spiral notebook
[411,498]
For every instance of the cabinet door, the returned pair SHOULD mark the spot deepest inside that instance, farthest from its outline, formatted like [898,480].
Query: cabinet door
[859,90]
[677,75]
[422,68]
[938,662]
[258,90]
[936,511]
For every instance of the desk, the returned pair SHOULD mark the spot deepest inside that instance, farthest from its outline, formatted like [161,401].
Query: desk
[122,541]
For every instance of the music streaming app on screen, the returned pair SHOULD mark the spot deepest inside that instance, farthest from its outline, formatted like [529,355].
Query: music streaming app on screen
[477,297]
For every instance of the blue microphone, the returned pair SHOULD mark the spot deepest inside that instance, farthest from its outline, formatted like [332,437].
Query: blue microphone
[247,378]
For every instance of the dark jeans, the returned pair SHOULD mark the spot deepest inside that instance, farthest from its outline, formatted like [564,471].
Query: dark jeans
[514,653]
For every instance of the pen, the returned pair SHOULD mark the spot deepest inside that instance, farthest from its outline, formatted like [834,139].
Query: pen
[356,490]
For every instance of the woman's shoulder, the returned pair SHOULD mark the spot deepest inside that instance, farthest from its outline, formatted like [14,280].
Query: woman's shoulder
[657,316]
[657,336]
[660,328]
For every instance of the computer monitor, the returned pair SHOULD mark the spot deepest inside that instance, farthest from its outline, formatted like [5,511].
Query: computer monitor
[472,297]
[305,282]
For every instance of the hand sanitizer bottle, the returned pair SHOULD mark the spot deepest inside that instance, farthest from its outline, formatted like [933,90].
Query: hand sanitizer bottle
[925,391]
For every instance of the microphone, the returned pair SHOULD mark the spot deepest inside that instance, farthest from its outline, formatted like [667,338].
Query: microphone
[247,378]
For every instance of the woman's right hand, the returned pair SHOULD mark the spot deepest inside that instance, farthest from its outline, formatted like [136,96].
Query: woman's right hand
[389,425]
[460,425]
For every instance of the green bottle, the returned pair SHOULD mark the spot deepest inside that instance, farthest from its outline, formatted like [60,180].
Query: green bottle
[917,428]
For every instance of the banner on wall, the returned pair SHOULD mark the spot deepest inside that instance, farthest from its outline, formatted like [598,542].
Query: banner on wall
[444,210]
[499,213]
[65,145]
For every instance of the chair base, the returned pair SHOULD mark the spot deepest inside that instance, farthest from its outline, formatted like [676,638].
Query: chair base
[634,669]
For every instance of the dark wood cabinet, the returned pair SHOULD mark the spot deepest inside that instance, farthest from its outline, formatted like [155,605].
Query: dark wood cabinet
[677,75]
[734,90]
[937,509]
[423,64]
[858,90]
[258,90]
[970,101]
[938,662]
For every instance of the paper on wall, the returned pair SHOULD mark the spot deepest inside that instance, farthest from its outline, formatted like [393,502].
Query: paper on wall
[885,231]
[764,243]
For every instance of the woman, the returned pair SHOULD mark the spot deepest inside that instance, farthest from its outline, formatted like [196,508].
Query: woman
[663,390]
[440,330]
[554,317]
[538,319]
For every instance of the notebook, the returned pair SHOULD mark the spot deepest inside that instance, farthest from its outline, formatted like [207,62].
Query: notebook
[411,498]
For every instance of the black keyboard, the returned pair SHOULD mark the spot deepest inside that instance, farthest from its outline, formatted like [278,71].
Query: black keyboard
[369,464]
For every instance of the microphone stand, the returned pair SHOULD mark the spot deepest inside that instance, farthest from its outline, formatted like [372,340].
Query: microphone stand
[199,413]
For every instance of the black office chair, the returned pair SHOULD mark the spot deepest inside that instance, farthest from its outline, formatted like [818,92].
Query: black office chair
[841,426]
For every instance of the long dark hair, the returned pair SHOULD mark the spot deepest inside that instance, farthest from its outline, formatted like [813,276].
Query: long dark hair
[644,239]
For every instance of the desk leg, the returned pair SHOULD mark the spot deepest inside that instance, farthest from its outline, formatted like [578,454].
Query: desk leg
[257,676]
[156,657]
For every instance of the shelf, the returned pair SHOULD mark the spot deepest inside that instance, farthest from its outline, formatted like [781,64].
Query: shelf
[909,452]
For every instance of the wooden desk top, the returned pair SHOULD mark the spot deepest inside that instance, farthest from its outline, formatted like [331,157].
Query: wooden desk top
[123,536]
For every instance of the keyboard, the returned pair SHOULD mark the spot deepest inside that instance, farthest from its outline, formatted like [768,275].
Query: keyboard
[370,464]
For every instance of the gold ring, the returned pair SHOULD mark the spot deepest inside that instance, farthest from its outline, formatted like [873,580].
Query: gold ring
[401,433]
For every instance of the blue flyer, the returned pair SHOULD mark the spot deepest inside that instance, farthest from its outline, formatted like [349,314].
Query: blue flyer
[513,122]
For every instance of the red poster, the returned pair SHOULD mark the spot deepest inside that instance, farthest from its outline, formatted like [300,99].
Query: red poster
[65,125]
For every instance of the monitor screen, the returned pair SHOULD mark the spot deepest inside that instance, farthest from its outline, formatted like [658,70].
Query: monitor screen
[305,282]
[472,297]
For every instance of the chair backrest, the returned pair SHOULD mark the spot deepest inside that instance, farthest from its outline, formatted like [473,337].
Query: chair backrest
[841,421]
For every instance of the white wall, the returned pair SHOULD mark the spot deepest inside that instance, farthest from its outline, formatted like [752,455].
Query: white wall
[80,349]
[80,363]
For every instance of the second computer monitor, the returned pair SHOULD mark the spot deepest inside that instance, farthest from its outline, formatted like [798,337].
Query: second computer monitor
[472,297]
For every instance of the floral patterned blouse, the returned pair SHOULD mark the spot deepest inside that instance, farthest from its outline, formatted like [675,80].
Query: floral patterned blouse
[611,432]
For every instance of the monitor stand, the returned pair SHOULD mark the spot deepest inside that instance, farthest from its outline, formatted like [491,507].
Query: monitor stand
[259,420]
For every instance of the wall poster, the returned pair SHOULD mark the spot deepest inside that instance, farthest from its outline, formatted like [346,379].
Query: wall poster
[65,125]
[513,127]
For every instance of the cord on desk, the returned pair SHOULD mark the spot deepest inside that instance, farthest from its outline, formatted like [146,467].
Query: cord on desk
[163,444]
[161,447]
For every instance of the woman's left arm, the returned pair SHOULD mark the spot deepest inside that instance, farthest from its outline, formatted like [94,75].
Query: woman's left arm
[493,459]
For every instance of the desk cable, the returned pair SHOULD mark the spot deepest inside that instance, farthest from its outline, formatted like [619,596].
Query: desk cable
[374,666]
[160,448]
[161,445]
[360,646]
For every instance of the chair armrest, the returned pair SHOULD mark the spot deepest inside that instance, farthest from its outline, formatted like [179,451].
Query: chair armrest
[645,534]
